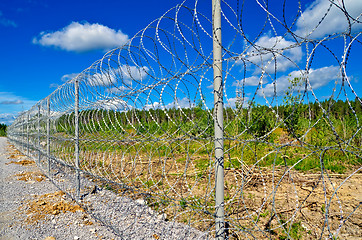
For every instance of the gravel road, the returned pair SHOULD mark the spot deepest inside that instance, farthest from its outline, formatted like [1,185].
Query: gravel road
[32,207]
[23,185]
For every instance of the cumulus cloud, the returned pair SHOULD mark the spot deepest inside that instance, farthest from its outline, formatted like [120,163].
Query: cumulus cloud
[64,78]
[250,81]
[231,102]
[8,102]
[237,101]
[177,103]
[84,37]
[335,21]
[153,105]
[268,49]
[124,74]
[181,103]
[67,77]
[6,22]
[133,72]
[118,90]
[317,78]
[7,118]
[116,104]
[11,105]
[102,79]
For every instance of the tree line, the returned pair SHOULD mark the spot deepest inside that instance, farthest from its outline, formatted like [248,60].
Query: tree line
[3,130]
[257,120]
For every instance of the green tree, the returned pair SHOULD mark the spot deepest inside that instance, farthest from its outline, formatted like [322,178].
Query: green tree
[293,108]
[3,130]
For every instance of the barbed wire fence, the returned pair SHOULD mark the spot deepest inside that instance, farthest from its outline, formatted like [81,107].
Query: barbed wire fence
[261,140]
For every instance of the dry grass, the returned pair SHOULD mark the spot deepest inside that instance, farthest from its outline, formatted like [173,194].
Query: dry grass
[23,162]
[30,176]
[48,204]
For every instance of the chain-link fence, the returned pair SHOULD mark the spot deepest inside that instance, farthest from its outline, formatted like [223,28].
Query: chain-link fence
[281,111]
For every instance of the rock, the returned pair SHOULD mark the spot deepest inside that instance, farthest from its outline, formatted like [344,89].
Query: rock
[93,230]
[162,216]
[305,227]
[76,238]
[150,211]
[56,212]
[141,201]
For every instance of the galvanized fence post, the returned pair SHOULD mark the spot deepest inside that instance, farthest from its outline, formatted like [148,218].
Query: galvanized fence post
[27,134]
[39,135]
[76,123]
[218,122]
[23,132]
[48,134]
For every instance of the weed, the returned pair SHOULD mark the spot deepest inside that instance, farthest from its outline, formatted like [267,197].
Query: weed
[323,209]
[183,203]
[264,214]
[296,230]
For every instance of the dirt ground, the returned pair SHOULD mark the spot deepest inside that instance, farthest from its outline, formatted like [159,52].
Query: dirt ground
[260,203]
[299,205]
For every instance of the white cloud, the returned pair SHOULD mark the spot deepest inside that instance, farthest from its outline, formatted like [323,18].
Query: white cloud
[11,105]
[112,104]
[118,90]
[240,101]
[11,102]
[67,77]
[102,79]
[317,78]
[8,98]
[267,49]
[210,86]
[231,102]
[181,103]
[7,118]
[124,74]
[6,22]
[54,85]
[177,103]
[334,22]
[133,72]
[85,37]
[153,105]
[250,81]
[64,78]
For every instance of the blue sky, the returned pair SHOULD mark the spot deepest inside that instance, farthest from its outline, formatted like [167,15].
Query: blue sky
[44,43]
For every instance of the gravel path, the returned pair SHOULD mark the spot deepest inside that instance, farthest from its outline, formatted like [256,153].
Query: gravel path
[18,218]
[32,207]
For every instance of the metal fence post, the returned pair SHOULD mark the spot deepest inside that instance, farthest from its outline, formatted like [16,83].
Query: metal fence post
[48,134]
[23,132]
[76,123]
[39,134]
[27,134]
[218,122]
